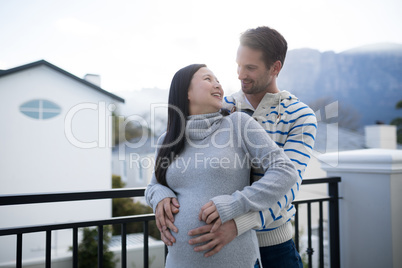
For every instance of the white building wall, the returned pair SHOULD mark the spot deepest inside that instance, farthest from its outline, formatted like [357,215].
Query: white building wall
[380,136]
[135,169]
[36,155]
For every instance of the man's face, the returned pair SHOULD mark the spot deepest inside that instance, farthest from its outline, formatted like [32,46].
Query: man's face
[252,72]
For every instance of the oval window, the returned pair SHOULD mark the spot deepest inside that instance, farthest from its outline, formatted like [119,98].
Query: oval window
[40,109]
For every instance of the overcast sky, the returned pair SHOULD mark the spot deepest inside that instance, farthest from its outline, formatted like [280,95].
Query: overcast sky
[142,43]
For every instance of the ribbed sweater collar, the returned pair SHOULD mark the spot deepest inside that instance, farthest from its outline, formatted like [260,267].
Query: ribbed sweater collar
[201,126]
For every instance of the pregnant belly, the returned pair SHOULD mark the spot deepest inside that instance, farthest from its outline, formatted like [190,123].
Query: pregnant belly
[186,220]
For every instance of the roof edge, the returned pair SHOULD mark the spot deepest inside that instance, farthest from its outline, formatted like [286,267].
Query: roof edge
[54,67]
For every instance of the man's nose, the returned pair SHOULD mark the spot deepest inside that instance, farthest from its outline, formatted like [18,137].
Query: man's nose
[241,74]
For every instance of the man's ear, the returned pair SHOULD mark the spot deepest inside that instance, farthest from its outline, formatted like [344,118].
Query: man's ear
[276,67]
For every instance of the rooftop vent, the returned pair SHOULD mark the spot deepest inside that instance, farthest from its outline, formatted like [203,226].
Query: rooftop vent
[93,78]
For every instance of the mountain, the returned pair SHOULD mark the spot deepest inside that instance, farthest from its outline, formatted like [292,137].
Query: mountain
[367,80]
[146,106]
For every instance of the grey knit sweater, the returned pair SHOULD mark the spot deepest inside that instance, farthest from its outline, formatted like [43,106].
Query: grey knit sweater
[215,165]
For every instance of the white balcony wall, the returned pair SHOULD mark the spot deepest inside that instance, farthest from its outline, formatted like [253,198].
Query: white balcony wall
[371,206]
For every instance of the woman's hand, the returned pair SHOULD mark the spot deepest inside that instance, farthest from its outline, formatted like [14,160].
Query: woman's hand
[210,214]
[164,219]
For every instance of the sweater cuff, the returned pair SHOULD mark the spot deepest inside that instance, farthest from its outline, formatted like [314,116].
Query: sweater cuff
[248,221]
[159,195]
[227,207]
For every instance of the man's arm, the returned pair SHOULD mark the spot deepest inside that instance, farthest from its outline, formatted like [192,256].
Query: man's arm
[279,174]
[214,242]
[298,147]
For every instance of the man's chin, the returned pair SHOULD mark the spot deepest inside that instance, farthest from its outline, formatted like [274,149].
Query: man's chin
[247,90]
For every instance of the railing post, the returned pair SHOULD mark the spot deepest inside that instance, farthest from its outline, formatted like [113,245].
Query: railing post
[19,251]
[297,242]
[146,246]
[48,249]
[123,245]
[100,246]
[75,247]
[334,225]
[321,235]
[310,250]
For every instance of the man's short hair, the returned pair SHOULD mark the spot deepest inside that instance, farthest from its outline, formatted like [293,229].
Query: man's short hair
[272,44]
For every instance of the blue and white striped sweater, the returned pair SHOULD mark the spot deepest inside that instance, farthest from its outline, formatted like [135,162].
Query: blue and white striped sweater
[292,125]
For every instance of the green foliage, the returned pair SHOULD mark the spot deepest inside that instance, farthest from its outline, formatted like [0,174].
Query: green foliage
[398,123]
[117,182]
[399,105]
[124,130]
[88,249]
[125,207]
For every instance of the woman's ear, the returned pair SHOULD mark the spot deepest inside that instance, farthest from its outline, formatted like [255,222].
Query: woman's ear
[189,94]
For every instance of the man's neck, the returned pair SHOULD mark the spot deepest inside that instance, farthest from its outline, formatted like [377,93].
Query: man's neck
[255,99]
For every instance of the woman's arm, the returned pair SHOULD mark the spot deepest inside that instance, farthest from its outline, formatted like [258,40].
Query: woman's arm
[164,204]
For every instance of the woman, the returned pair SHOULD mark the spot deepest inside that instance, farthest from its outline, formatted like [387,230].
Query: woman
[205,160]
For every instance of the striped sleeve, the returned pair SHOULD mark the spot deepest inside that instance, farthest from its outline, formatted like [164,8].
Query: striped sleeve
[300,140]
[298,146]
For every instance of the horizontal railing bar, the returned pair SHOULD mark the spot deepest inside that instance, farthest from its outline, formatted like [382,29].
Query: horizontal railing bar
[60,226]
[313,200]
[19,199]
[321,180]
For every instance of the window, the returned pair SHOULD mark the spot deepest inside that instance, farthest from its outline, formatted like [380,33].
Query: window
[40,109]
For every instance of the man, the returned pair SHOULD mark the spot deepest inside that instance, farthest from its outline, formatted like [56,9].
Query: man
[289,122]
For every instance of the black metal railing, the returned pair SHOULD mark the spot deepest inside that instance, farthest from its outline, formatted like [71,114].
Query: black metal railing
[333,212]
[23,199]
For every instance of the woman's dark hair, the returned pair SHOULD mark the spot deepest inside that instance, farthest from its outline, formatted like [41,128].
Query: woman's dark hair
[272,44]
[178,111]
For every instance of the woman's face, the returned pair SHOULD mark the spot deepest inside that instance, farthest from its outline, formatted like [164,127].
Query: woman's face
[205,93]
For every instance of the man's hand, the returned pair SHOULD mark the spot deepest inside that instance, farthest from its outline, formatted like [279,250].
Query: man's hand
[216,240]
[164,219]
[209,214]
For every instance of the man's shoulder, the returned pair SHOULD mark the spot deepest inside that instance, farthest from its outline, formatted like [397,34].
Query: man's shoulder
[292,103]
[233,100]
